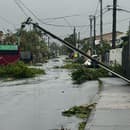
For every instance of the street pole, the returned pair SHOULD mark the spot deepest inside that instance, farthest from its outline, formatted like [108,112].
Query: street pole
[101,23]
[94,37]
[78,46]
[129,39]
[74,36]
[114,24]
[91,29]
[48,38]
[78,40]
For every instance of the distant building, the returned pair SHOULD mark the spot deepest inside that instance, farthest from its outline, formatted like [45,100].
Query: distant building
[9,54]
[106,37]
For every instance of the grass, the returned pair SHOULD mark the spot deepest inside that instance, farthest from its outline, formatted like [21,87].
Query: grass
[19,70]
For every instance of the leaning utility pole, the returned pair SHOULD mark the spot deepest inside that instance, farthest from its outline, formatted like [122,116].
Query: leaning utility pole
[101,23]
[29,21]
[114,24]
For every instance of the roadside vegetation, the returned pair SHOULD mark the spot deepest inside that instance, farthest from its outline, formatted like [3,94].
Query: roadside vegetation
[82,112]
[19,70]
[81,73]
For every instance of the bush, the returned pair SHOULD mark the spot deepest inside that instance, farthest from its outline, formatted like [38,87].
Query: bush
[83,74]
[19,70]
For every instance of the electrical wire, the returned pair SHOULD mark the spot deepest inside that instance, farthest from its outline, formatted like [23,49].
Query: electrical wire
[96,8]
[21,8]
[41,21]
[68,23]
[55,18]
[7,21]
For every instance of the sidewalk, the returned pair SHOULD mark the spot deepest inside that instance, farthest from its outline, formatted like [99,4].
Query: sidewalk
[113,108]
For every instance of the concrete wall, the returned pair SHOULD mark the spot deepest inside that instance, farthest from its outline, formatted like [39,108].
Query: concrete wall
[115,56]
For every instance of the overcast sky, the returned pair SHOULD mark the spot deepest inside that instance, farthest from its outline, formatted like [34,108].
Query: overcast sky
[11,16]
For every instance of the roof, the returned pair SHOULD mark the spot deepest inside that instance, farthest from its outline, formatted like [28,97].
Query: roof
[106,36]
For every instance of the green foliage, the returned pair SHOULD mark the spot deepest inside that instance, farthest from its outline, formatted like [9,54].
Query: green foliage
[83,74]
[33,41]
[82,125]
[19,70]
[82,112]
[69,39]
[104,48]
[85,47]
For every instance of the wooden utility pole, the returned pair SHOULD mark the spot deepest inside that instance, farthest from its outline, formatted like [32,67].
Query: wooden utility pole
[91,29]
[74,36]
[48,38]
[129,40]
[114,24]
[101,23]
[94,37]
[78,40]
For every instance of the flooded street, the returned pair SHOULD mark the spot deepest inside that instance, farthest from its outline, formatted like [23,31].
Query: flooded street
[37,104]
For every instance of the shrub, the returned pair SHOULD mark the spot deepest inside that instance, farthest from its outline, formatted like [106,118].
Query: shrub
[19,70]
[83,74]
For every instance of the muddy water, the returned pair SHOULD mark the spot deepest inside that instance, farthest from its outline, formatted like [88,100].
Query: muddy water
[36,104]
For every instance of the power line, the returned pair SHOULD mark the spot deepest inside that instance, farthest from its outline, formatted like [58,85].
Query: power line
[41,21]
[96,8]
[7,21]
[21,8]
[68,23]
[55,18]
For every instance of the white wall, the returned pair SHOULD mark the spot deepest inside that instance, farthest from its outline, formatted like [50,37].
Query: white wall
[115,56]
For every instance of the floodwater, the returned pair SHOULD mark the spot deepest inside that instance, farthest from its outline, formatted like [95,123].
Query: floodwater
[37,104]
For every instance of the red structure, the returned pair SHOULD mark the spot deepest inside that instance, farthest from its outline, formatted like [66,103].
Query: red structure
[9,54]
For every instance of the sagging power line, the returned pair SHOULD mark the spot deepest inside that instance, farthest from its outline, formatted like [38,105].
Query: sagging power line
[22,7]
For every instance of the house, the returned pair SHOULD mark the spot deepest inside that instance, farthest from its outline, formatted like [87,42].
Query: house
[106,37]
[9,54]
